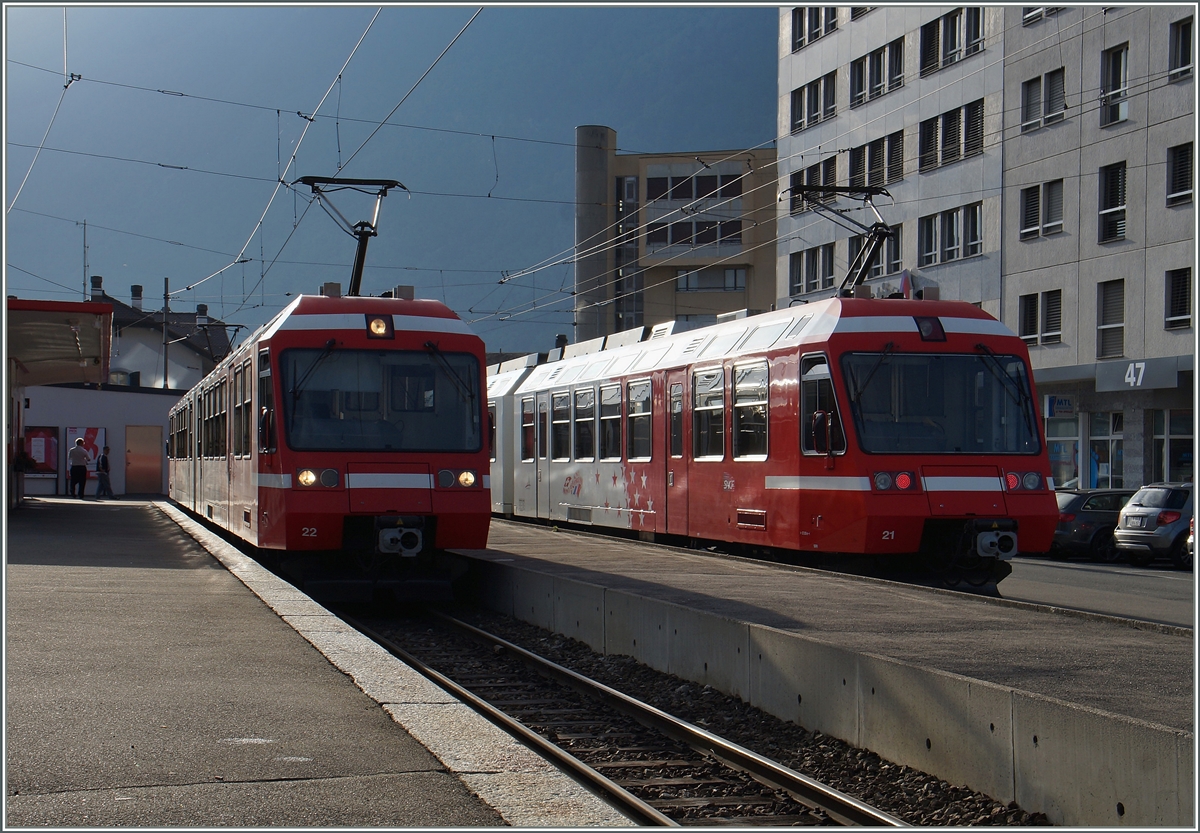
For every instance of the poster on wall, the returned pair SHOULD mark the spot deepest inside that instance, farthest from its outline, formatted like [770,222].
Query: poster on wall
[93,442]
[41,444]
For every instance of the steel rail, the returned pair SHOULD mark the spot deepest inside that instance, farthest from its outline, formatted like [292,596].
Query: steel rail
[839,806]
[624,801]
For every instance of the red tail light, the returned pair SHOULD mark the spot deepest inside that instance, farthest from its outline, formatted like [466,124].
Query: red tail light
[1168,517]
[1012,480]
[1066,517]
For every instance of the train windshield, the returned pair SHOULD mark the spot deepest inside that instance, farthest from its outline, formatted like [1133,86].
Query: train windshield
[380,400]
[923,403]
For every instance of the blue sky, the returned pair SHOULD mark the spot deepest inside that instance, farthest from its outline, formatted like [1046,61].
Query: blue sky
[170,143]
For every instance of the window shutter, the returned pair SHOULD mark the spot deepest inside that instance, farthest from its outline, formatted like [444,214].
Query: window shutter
[1179,166]
[1052,313]
[1056,95]
[1179,298]
[1052,207]
[1028,318]
[875,167]
[895,161]
[931,47]
[973,142]
[1031,104]
[929,144]
[1111,340]
[1031,212]
[858,167]
[951,136]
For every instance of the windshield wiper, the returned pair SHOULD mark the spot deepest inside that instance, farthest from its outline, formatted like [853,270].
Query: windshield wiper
[1022,397]
[888,349]
[298,388]
[448,369]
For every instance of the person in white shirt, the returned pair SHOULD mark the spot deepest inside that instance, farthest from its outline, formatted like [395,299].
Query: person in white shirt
[77,459]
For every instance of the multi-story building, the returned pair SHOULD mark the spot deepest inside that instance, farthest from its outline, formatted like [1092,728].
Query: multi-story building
[1018,147]
[679,237]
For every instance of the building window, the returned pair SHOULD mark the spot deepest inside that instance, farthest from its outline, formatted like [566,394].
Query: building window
[811,269]
[1179,174]
[1046,328]
[887,261]
[1106,469]
[1043,100]
[950,38]
[735,279]
[951,136]
[750,411]
[877,73]
[1173,441]
[1179,299]
[731,233]
[1112,202]
[681,233]
[823,173]
[814,102]
[1042,209]
[1114,85]
[1181,50]
[1110,305]
[656,235]
[950,235]
[656,188]
[708,414]
[858,11]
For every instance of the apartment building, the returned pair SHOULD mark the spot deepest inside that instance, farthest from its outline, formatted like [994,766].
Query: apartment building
[679,237]
[1038,163]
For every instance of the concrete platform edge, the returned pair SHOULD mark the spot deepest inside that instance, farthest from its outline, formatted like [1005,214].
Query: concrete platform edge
[523,788]
[1080,766]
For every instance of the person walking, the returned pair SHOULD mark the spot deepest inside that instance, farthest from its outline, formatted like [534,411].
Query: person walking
[103,484]
[77,459]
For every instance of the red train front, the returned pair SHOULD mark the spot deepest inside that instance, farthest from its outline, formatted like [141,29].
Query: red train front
[351,427]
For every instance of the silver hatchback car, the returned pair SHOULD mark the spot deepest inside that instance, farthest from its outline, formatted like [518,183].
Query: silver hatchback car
[1154,524]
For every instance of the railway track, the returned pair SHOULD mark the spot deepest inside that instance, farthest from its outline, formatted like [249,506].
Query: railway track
[656,768]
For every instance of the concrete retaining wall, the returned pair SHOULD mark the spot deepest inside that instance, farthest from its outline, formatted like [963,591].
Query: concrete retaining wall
[1079,766]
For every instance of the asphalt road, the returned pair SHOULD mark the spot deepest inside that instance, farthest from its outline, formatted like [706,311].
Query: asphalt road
[1154,594]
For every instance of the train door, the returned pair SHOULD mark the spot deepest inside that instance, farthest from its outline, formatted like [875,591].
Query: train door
[524,467]
[542,481]
[676,460]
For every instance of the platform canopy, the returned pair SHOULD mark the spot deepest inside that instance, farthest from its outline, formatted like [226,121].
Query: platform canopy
[51,342]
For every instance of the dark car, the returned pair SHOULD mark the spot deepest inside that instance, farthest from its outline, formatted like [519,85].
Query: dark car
[1154,524]
[1086,519]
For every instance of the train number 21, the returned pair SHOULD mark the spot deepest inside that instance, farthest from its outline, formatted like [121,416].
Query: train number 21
[308,532]
[889,535]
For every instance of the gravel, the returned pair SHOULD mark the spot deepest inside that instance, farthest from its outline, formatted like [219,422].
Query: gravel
[909,794]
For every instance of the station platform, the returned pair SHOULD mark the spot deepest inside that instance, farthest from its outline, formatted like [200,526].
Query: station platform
[156,677]
[1144,671]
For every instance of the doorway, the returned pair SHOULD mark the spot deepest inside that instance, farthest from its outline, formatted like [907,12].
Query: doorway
[143,459]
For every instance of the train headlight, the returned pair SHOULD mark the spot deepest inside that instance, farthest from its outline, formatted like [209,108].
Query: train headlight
[380,326]
[883,481]
[1032,480]
[449,478]
[466,478]
[311,477]
[306,477]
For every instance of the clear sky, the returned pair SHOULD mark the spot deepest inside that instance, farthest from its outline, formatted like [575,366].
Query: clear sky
[171,142]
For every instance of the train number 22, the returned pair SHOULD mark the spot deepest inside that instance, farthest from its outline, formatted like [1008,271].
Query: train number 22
[308,532]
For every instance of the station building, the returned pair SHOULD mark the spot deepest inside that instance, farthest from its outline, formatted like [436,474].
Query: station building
[669,237]
[1039,165]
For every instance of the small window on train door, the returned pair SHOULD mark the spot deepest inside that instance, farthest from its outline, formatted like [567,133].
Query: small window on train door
[560,426]
[266,404]
[816,398]
[543,429]
[585,424]
[750,411]
[610,422]
[676,421]
[528,430]
[638,414]
[492,432]
[708,414]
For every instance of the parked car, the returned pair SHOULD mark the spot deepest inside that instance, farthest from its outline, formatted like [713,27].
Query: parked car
[1086,519]
[1154,524]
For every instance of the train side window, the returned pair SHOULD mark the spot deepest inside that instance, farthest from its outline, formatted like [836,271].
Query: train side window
[492,433]
[238,450]
[708,414]
[676,421]
[266,404]
[585,424]
[247,407]
[750,411]
[543,429]
[610,422]
[639,415]
[816,397]
[560,426]
[528,430]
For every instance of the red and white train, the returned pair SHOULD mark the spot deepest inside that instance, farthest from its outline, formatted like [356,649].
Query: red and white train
[907,429]
[348,427]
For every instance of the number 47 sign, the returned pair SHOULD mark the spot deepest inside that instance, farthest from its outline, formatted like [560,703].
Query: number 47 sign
[1137,375]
